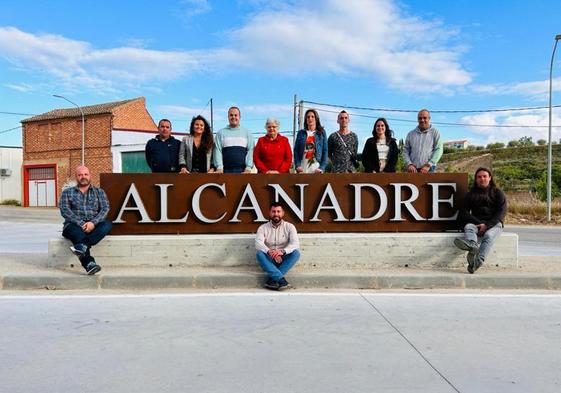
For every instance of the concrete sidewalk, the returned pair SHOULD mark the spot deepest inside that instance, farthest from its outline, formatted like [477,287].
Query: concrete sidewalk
[30,272]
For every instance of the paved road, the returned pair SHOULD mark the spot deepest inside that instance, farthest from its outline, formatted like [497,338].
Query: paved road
[291,342]
[538,240]
[28,230]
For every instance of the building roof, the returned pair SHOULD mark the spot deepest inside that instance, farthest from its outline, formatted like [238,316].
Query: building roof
[451,142]
[63,113]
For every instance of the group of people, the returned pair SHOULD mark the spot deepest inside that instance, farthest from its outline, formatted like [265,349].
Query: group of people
[232,149]
[85,207]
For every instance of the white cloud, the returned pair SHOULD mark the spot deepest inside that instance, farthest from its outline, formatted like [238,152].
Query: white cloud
[78,63]
[538,90]
[189,8]
[356,36]
[516,125]
[369,38]
[21,87]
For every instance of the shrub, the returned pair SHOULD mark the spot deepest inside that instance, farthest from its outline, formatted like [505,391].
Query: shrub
[541,184]
[10,202]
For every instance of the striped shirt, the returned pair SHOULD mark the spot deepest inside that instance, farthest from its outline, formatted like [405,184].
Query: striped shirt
[234,148]
[78,208]
[422,147]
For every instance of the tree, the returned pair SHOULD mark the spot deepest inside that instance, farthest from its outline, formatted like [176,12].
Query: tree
[541,142]
[526,141]
[479,147]
[496,145]
[541,184]
[513,143]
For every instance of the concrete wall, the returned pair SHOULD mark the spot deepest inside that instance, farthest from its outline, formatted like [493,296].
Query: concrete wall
[11,158]
[337,251]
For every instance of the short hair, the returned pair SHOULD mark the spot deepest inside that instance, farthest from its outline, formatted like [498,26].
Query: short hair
[424,110]
[388,133]
[160,122]
[272,120]
[276,204]
[235,107]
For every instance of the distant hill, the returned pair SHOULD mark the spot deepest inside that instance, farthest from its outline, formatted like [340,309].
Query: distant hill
[516,169]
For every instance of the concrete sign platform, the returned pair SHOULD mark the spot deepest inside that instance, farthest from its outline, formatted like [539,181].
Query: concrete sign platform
[335,251]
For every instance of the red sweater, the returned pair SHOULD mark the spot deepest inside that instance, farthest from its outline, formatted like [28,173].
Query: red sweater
[272,155]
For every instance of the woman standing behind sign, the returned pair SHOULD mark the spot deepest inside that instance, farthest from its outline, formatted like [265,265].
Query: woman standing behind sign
[195,151]
[272,153]
[380,152]
[310,148]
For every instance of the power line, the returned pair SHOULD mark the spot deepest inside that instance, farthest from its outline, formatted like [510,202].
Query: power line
[10,129]
[442,123]
[528,108]
[17,114]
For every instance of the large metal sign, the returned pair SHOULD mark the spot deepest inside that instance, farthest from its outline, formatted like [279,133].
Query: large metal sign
[231,203]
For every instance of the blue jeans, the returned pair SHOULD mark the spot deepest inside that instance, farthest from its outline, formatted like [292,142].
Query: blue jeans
[76,235]
[274,270]
[487,240]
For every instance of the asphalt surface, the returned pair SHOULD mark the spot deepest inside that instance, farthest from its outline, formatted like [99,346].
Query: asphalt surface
[247,342]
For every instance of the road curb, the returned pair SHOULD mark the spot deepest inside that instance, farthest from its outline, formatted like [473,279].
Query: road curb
[252,280]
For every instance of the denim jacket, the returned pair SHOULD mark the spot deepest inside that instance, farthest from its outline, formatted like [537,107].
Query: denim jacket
[321,148]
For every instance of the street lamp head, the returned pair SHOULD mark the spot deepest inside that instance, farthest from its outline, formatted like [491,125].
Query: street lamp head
[558,37]
[57,96]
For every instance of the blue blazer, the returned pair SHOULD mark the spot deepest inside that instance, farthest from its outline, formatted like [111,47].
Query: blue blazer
[321,148]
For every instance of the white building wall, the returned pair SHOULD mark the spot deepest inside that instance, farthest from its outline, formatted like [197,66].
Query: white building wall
[125,141]
[11,159]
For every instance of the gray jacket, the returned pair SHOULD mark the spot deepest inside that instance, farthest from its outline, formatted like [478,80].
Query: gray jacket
[186,154]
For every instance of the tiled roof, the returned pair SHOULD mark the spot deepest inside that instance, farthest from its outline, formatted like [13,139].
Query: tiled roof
[74,112]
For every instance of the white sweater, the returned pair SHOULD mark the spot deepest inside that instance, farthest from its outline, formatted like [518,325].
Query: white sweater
[283,237]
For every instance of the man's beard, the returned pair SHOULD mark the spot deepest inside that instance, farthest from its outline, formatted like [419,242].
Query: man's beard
[276,220]
[84,182]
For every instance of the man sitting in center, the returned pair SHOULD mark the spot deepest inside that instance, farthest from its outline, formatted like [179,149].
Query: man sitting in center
[277,248]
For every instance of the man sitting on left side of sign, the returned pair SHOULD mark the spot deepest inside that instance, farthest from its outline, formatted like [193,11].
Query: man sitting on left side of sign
[277,247]
[84,208]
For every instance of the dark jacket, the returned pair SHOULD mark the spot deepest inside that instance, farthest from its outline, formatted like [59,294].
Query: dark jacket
[321,148]
[483,206]
[371,161]
[163,156]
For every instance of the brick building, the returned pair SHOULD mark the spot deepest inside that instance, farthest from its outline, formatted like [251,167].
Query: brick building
[115,136]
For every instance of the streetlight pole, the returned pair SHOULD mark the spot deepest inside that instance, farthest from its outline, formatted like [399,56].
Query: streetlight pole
[83,123]
[549,148]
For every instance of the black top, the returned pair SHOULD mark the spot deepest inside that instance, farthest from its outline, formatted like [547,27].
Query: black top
[163,156]
[483,206]
[371,161]
[199,159]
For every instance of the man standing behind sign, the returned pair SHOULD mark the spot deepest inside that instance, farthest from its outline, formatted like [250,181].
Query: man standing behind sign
[234,146]
[483,214]
[423,147]
[162,152]
[342,146]
[277,248]
[84,209]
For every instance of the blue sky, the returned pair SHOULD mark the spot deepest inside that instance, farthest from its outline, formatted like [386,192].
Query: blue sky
[256,54]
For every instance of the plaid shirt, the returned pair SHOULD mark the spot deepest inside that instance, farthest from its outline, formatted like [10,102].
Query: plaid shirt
[79,208]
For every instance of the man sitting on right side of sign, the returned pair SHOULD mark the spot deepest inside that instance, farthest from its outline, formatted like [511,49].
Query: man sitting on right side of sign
[277,247]
[482,216]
